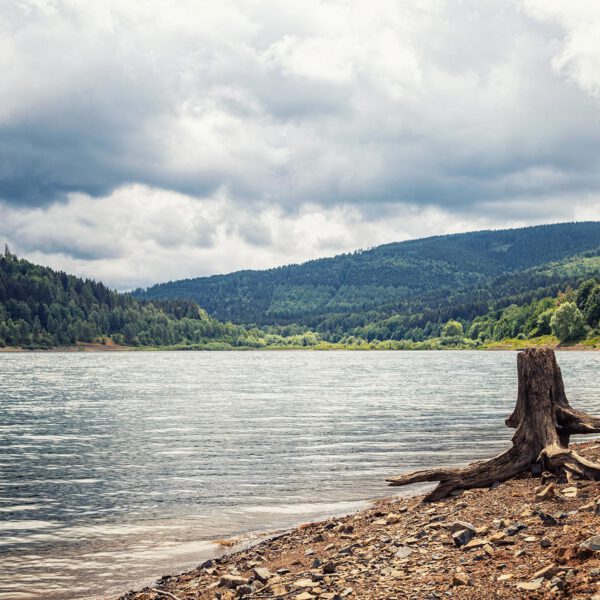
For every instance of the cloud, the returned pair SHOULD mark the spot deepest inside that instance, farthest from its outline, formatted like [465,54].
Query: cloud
[138,235]
[485,113]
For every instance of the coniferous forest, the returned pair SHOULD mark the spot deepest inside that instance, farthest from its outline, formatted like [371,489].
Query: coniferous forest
[464,290]
[43,308]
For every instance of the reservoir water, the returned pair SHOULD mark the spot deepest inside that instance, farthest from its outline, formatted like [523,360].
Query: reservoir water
[116,468]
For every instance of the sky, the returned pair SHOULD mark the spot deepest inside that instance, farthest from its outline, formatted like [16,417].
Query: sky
[149,141]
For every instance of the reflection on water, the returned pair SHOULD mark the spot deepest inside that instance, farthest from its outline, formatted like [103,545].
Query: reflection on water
[116,468]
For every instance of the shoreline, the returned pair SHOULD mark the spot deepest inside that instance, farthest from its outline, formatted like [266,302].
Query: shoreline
[98,347]
[521,545]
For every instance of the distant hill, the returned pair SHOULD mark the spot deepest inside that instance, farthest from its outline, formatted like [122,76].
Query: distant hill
[421,281]
[43,308]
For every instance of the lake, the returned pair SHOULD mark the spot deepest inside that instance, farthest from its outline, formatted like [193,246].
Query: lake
[116,468]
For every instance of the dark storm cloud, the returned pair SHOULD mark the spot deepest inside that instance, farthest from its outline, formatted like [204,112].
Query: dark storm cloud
[431,103]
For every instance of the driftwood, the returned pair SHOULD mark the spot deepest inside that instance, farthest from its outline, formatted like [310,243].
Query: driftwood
[166,594]
[543,420]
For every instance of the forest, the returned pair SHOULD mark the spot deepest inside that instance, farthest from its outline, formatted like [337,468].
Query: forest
[43,308]
[414,283]
[513,288]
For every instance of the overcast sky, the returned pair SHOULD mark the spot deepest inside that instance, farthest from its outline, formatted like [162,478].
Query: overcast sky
[148,141]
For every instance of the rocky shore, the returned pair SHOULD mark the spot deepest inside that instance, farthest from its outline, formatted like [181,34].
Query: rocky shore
[530,537]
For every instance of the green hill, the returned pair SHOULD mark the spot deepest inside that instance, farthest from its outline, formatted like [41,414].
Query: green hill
[396,290]
[43,308]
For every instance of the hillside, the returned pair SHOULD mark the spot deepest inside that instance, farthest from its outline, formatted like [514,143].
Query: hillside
[43,308]
[418,282]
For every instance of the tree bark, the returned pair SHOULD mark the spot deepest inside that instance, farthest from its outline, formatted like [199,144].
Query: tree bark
[543,420]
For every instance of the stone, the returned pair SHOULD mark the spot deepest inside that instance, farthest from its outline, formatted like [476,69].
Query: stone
[475,543]
[570,492]
[512,530]
[404,552]
[232,581]
[262,574]
[328,568]
[243,590]
[529,586]
[527,513]
[304,596]
[460,579]
[592,544]
[460,525]
[462,537]
[545,543]
[546,573]
[546,493]
[547,519]
[505,577]
[302,583]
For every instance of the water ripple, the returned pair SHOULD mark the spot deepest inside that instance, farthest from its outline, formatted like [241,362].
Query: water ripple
[117,467]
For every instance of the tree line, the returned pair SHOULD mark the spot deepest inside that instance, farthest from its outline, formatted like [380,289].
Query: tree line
[43,308]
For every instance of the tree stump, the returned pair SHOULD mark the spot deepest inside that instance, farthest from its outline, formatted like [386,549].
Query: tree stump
[543,420]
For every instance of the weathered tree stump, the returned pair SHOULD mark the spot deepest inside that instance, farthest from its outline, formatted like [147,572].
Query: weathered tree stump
[543,419]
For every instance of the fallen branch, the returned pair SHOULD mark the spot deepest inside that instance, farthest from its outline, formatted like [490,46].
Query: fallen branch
[163,593]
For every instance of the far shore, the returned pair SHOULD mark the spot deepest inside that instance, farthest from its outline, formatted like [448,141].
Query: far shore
[509,346]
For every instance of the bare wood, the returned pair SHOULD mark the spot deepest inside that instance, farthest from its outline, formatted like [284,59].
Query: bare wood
[544,422]
[163,593]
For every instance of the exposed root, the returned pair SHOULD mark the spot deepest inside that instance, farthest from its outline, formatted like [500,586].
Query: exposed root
[165,594]
[568,460]
[544,421]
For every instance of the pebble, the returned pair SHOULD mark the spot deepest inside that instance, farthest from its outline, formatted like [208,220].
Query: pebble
[530,586]
[460,579]
[262,574]
[591,544]
[546,493]
[404,552]
[545,573]
[475,543]
[232,581]
[462,537]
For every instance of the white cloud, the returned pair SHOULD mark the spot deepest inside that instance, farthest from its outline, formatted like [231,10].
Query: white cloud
[139,235]
[579,55]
